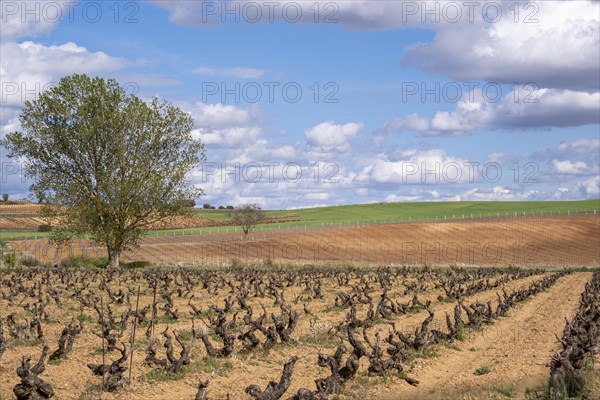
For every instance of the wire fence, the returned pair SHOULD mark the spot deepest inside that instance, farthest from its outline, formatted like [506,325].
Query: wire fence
[571,239]
[298,225]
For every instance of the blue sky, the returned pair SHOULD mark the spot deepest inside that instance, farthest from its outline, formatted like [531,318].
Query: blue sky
[363,120]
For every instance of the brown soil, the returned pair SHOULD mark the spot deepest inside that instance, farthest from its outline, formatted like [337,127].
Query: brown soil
[26,217]
[516,347]
[552,241]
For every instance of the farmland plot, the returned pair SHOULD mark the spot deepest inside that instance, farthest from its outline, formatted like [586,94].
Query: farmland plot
[547,241]
[388,333]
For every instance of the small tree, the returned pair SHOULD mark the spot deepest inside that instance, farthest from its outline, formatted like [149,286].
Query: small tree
[5,197]
[111,164]
[206,206]
[247,217]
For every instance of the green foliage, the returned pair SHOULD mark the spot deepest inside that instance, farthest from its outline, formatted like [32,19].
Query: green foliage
[482,370]
[247,217]
[137,265]
[85,318]
[166,319]
[111,164]
[221,366]
[507,392]
[4,196]
[45,228]
[84,262]
[10,260]
[29,261]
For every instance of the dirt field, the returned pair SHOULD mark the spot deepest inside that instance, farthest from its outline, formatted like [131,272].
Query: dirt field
[26,217]
[516,347]
[552,241]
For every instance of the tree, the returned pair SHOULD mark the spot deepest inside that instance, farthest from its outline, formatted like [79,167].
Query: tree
[111,164]
[190,203]
[247,217]
[5,197]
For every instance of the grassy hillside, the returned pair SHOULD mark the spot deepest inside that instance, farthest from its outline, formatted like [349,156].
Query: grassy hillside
[397,211]
[378,212]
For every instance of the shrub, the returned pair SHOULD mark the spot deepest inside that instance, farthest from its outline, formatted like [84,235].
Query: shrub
[137,265]
[44,228]
[10,260]
[29,261]
[84,262]
[482,370]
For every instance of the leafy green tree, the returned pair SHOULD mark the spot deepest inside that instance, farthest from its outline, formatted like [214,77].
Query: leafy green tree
[111,164]
[5,197]
[247,217]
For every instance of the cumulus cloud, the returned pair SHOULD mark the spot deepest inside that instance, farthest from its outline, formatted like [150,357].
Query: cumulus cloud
[362,14]
[579,157]
[416,167]
[28,68]
[29,18]
[477,110]
[567,167]
[330,135]
[560,50]
[225,126]
[552,43]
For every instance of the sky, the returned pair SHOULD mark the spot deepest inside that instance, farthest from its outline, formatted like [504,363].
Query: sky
[311,103]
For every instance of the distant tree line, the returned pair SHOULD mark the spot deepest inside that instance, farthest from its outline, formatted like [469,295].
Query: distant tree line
[207,206]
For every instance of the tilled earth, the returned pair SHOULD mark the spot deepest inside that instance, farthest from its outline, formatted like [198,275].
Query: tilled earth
[540,241]
[516,347]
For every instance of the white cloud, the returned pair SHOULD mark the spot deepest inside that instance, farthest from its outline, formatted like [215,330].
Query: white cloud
[29,18]
[219,115]
[27,68]
[567,167]
[552,43]
[225,126]
[412,167]
[590,188]
[560,50]
[331,135]
[477,110]
[579,157]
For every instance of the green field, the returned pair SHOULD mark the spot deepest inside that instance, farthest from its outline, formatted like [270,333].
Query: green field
[424,210]
[379,212]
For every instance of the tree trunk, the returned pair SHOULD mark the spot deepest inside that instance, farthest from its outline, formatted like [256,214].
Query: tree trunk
[114,257]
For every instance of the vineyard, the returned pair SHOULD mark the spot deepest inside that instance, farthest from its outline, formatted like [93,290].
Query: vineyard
[303,334]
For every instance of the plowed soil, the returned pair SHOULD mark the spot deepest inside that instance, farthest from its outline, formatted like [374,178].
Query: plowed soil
[551,241]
